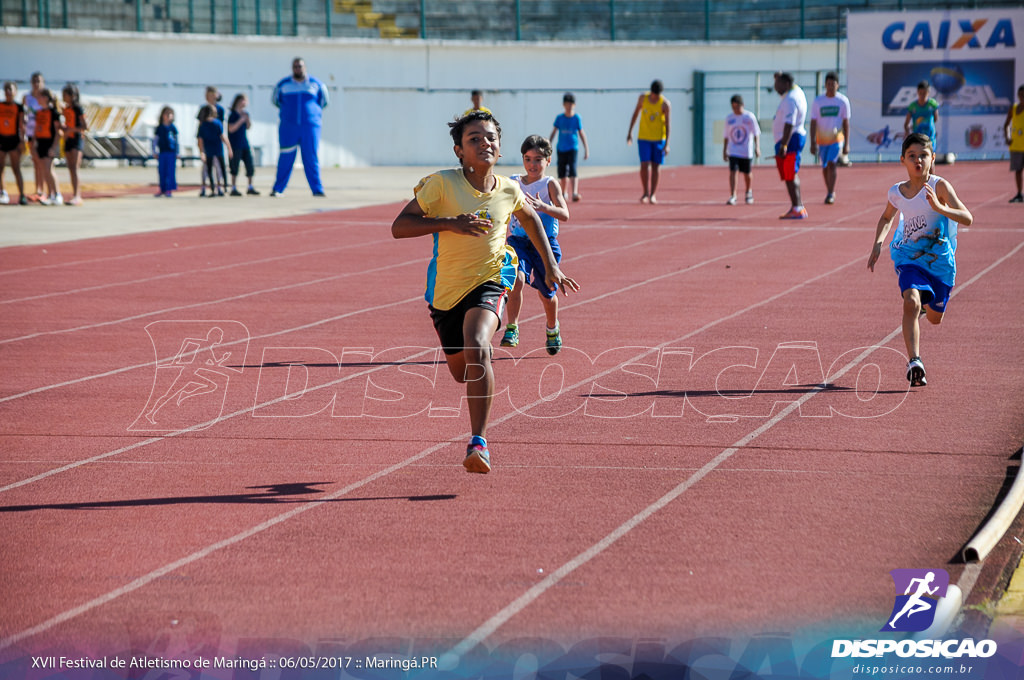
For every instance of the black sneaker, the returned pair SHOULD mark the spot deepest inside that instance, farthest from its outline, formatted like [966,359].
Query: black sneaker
[235,192]
[319,194]
[1019,198]
[252,192]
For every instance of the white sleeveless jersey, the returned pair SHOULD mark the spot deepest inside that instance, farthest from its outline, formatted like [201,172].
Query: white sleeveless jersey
[540,190]
[923,238]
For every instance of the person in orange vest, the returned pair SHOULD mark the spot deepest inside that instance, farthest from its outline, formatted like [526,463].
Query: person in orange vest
[12,139]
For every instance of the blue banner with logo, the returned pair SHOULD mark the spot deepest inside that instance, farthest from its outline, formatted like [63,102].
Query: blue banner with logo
[963,88]
[970,61]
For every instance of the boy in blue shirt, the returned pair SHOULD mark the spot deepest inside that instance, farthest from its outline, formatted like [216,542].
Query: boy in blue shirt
[569,128]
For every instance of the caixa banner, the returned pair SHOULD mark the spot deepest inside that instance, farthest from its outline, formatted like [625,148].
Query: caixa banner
[952,74]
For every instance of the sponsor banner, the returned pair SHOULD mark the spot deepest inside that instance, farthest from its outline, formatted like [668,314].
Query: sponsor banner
[971,60]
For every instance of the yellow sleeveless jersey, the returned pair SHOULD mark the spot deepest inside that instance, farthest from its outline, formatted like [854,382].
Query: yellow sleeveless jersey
[652,119]
[1017,129]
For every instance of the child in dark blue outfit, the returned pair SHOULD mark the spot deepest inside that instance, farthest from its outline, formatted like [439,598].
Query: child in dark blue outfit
[212,142]
[238,122]
[166,151]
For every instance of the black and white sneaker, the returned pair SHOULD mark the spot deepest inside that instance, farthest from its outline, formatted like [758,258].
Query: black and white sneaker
[915,372]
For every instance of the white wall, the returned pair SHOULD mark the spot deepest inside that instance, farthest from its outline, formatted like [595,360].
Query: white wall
[392,99]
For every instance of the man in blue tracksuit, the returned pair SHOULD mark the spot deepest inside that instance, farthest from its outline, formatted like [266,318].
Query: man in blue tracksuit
[300,99]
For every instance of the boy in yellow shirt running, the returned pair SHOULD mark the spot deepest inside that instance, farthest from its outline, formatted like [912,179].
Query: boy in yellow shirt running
[467,211]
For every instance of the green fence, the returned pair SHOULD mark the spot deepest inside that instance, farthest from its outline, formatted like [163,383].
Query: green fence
[528,20]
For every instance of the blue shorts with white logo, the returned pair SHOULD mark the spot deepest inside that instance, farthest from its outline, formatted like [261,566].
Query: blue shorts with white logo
[934,293]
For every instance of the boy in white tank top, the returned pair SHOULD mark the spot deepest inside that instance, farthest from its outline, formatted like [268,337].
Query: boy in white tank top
[545,196]
[923,246]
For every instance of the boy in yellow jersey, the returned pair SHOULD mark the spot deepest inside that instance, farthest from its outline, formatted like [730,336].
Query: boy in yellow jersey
[652,138]
[1013,128]
[467,211]
[477,97]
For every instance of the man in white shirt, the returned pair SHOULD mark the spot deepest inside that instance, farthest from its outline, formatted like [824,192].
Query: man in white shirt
[790,136]
[830,130]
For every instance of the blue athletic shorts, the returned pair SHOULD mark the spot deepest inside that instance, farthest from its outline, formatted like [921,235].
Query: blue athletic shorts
[651,152]
[829,153]
[532,264]
[934,293]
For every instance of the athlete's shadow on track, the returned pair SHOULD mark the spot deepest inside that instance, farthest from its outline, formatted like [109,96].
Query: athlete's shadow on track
[733,393]
[365,364]
[274,493]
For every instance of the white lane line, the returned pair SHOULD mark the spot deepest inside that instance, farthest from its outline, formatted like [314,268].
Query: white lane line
[248,533]
[153,440]
[489,627]
[285,331]
[204,303]
[190,272]
[289,235]
[264,336]
[200,426]
[208,550]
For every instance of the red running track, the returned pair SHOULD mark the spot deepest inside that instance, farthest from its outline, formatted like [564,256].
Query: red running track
[678,470]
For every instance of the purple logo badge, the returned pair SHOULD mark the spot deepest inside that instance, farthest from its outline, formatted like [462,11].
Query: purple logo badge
[918,592]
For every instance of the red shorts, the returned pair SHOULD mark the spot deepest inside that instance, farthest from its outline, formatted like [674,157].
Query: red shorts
[789,164]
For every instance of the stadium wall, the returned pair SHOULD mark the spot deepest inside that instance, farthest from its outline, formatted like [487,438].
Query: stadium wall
[391,100]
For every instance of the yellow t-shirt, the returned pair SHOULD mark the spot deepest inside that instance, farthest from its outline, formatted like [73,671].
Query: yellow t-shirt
[461,263]
[652,119]
[1017,130]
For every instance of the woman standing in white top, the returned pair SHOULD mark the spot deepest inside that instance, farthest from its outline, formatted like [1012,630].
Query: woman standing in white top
[32,105]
